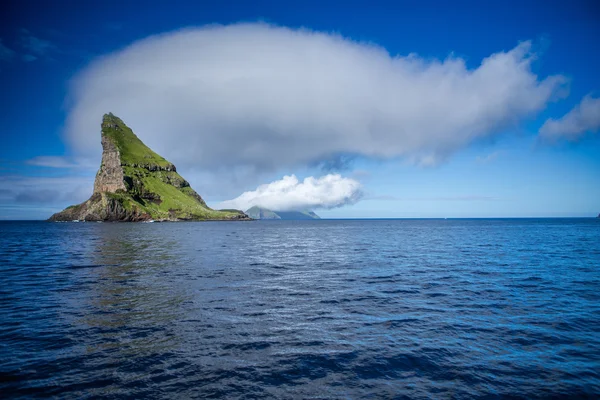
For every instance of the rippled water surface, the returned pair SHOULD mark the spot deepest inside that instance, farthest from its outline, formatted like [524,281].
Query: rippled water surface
[306,309]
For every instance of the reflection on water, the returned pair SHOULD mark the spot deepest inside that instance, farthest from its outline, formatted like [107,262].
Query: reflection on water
[326,309]
[132,294]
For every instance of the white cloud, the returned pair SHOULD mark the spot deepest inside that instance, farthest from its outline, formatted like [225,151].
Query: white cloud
[583,118]
[262,97]
[329,191]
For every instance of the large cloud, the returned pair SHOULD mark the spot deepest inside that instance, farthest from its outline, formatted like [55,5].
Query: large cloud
[262,97]
[329,191]
[583,118]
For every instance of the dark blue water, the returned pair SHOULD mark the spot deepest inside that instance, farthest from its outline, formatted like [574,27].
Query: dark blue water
[307,309]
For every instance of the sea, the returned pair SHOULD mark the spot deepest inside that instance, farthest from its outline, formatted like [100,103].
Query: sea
[323,309]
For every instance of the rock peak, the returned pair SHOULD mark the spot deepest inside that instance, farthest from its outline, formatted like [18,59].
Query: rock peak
[111,120]
[134,183]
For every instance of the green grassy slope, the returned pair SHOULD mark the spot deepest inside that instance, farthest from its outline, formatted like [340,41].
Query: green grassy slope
[153,185]
[133,150]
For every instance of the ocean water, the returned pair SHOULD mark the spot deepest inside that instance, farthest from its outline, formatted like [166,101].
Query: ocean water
[419,309]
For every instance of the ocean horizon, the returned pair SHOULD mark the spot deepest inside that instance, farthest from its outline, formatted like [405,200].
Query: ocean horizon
[323,219]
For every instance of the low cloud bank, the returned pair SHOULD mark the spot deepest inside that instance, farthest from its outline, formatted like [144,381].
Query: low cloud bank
[329,191]
[47,191]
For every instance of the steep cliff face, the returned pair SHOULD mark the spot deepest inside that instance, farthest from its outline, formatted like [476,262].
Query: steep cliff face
[110,176]
[134,183]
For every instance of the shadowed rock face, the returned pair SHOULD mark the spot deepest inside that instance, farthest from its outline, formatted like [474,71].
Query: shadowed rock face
[110,175]
[134,183]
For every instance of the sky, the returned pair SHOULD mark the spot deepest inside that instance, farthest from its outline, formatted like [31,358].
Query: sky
[407,109]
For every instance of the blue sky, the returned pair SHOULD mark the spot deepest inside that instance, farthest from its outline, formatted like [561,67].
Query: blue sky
[51,59]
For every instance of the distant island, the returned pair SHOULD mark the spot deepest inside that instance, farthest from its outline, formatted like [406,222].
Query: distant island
[264,213]
[136,184]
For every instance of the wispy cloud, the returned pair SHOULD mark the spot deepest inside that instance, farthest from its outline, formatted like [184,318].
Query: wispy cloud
[44,191]
[487,158]
[78,164]
[329,191]
[337,163]
[6,54]
[34,47]
[583,118]
[25,211]
[57,183]
[264,97]
[52,162]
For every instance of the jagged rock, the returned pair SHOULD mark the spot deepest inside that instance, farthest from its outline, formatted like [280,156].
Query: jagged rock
[134,183]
